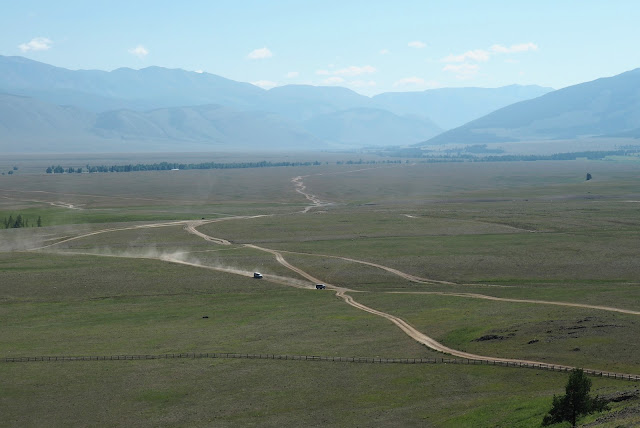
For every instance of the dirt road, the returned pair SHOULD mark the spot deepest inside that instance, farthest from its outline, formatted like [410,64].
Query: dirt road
[191,227]
[537,302]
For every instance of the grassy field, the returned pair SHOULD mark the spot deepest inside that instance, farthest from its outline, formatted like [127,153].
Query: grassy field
[510,230]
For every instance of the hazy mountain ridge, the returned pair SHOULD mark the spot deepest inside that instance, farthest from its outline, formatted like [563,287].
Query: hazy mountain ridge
[608,106]
[375,126]
[452,107]
[27,123]
[159,104]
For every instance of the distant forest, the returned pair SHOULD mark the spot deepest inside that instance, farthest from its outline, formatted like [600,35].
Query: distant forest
[417,155]
[172,166]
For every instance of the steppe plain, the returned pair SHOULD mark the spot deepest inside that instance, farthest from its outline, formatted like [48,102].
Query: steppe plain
[509,260]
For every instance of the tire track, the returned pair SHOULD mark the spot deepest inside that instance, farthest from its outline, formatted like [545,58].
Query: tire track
[507,299]
[417,335]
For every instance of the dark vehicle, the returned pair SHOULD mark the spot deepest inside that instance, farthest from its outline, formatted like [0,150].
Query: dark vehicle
[257,275]
[320,286]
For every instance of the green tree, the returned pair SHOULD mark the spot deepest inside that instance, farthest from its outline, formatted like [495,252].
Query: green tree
[49,170]
[39,222]
[19,222]
[576,402]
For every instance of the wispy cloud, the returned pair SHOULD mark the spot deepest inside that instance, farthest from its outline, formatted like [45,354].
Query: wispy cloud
[466,69]
[36,44]
[462,71]
[417,44]
[262,53]
[292,75]
[139,51]
[352,70]
[415,82]
[483,55]
[384,52]
[265,84]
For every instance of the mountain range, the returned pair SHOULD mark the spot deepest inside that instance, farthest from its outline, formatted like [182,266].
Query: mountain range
[606,107]
[47,108]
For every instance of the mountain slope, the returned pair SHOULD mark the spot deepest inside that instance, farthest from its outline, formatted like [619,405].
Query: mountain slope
[604,106]
[370,127]
[452,107]
[213,124]
[98,91]
[302,102]
[30,125]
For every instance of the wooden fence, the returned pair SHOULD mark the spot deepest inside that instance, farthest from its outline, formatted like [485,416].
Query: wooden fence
[364,360]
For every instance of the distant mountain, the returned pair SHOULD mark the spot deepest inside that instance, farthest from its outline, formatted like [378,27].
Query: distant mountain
[452,107]
[370,127]
[302,102]
[607,106]
[98,91]
[30,125]
[211,124]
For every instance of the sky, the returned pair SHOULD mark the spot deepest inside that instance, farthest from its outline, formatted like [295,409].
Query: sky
[369,46]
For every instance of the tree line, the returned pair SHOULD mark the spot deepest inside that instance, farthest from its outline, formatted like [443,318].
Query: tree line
[169,166]
[20,221]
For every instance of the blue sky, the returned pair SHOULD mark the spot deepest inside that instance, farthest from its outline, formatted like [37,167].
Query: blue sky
[368,46]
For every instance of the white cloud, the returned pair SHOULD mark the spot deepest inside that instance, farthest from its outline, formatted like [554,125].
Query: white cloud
[522,47]
[465,70]
[36,44]
[265,84]
[350,71]
[384,52]
[475,55]
[261,53]
[462,71]
[334,80]
[139,51]
[415,82]
[199,71]
[417,44]
[292,75]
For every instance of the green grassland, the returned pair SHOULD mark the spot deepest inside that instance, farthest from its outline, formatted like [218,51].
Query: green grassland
[513,230]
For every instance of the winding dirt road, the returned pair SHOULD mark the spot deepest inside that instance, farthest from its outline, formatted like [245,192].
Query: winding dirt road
[191,227]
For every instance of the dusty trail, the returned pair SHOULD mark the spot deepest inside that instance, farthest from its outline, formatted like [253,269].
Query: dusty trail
[401,274]
[53,204]
[189,225]
[177,258]
[317,202]
[416,334]
[506,299]
[300,188]
[115,229]
[341,292]
[280,258]
[95,196]
[288,265]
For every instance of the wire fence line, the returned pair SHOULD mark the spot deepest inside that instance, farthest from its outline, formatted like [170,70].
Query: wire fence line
[364,360]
